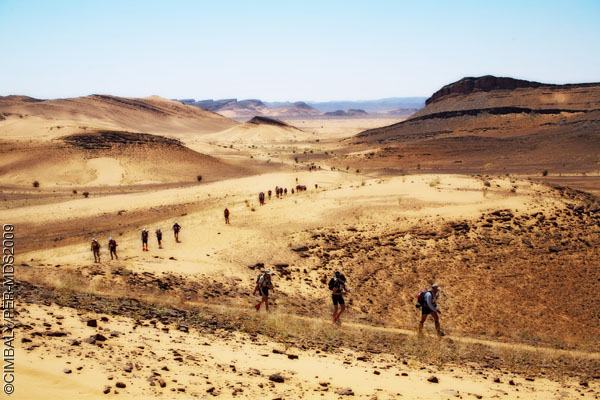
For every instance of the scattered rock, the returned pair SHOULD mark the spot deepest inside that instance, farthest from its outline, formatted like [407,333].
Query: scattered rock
[67,371]
[299,248]
[121,385]
[433,379]
[345,392]
[99,337]
[292,356]
[92,323]
[106,390]
[276,378]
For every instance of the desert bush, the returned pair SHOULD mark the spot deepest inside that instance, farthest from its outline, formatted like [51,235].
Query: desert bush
[545,172]
[86,194]
[74,191]
[199,178]
[434,182]
[36,184]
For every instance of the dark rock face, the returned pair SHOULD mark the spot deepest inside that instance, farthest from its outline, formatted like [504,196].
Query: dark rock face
[483,83]
[111,139]
[266,121]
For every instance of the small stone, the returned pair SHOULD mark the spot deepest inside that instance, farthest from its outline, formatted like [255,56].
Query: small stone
[276,378]
[511,382]
[292,356]
[121,385]
[67,371]
[99,337]
[299,248]
[376,372]
[92,323]
[433,379]
[106,390]
[345,392]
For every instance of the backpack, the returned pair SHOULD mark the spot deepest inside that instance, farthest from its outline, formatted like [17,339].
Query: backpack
[421,298]
[262,280]
[332,283]
[112,243]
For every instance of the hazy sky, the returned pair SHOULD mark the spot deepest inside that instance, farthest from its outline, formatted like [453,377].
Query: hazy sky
[289,50]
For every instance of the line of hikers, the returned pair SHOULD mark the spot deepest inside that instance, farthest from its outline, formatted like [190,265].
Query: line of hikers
[426,299]
[280,192]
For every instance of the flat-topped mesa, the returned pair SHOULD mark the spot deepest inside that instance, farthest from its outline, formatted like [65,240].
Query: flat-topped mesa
[483,83]
[258,120]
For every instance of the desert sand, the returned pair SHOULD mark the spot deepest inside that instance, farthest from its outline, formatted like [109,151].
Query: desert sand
[511,251]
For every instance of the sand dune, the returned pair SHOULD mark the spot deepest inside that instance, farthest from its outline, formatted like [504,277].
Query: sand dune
[260,132]
[107,158]
[25,118]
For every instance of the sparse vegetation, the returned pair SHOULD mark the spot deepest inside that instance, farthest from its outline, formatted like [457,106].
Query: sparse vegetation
[74,191]
[545,172]
[86,194]
[36,184]
[199,178]
[434,182]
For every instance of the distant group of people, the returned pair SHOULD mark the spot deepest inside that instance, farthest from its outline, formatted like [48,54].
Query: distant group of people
[159,236]
[112,247]
[280,192]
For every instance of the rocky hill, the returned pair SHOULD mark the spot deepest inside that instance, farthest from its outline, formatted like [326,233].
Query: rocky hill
[497,123]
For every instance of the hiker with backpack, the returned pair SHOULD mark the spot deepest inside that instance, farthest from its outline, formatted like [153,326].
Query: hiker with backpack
[159,237]
[176,229]
[144,239]
[263,284]
[95,247]
[226,215]
[426,301]
[337,285]
[112,247]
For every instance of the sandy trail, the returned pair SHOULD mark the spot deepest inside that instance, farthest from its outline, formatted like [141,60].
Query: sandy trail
[228,363]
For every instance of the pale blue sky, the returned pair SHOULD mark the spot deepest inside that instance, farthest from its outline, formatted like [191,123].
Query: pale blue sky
[289,50]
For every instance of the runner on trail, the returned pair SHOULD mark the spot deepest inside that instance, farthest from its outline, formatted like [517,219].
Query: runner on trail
[95,247]
[176,229]
[269,195]
[261,198]
[263,284]
[427,303]
[144,239]
[159,237]
[226,214]
[112,246]
[337,285]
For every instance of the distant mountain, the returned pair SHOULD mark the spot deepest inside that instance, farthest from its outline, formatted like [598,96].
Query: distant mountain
[350,113]
[370,106]
[244,110]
